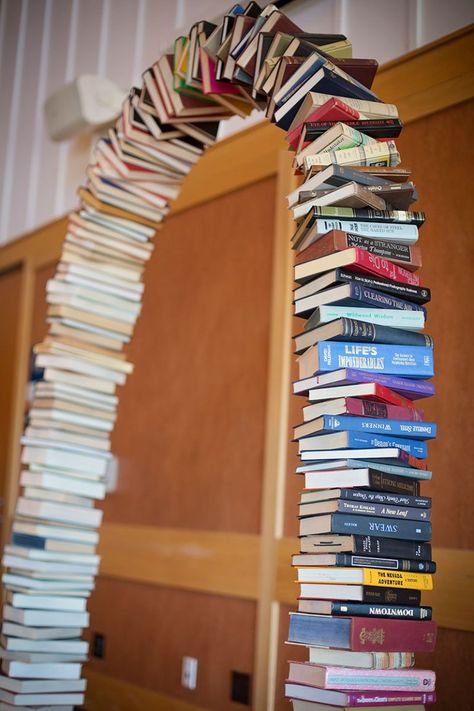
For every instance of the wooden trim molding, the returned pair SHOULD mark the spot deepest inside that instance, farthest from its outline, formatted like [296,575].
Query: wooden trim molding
[229,564]
[207,561]
[106,692]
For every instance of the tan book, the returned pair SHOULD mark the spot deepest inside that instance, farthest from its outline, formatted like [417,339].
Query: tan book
[88,198]
[60,329]
[40,422]
[105,360]
[67,312]
[52,374]
[66,406]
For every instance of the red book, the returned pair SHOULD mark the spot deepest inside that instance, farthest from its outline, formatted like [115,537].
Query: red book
[357,260]
[331,110]
[337,240]
[362,634]
[369,408]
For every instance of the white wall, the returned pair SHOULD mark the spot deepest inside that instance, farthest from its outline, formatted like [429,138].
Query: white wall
[45,43]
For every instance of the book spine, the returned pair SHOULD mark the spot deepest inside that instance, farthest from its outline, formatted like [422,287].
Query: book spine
[415,387]
[411,566]
[362,609]
[366,508]
[371,408]
[387,527]
[374,333]
[375,128]
[390,231]
[336,241]
[413,680]
[370,213]
[397,428]
[393,483]
[378,299]
[391,548]
[389,698]
[419,295]
[28,541]
[362,440]
[392,635]
[377,360]
[397,579]
[381,154]
[385,497]
[383,267]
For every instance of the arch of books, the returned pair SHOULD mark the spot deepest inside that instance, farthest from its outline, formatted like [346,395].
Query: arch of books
[363,364]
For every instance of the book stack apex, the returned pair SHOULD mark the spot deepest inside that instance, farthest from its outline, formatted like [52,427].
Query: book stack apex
[364,366]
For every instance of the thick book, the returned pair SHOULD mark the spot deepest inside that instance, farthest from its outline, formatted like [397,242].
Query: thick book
[338,678]
[406,292]
[372,478]
[365,576]
[361,660]
[395,318]
[376,128]
[375,594]
[335,241]
[367,495]
[360,634]
[354,524]
[356,259]
[336,363]
[337,137]
[363,609]
[350,195]
[352,330]
[357,407]
[355,295]
[377,153]
[363,508]
[347,560]
[397,196]
[354,699]
[396,428]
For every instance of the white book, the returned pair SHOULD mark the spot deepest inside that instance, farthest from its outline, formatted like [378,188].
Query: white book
[82,367]
[120,224]
[39,700]
[92,397]
[100,273]
[396,318]
[11,631]
[58,471]
[82,281]
[64,460]
[49,670]
[27,686]
[59,497]
[75,301]
[372,453]
[62,533]
[45,618]
[100,385]
[59,416]
[64,484]
[58,556]
[41,658]
[70,644]
[65,447]
[75,515]
[48,568]
[62,287]
[48,602]
[24,583]
[55,434]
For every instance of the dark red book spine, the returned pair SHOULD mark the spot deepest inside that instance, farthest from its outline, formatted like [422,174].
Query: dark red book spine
[381,635]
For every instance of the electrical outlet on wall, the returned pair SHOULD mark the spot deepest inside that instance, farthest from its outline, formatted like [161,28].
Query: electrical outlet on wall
[189,670]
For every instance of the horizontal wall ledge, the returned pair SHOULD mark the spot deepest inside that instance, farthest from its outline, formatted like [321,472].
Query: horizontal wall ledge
[228,564]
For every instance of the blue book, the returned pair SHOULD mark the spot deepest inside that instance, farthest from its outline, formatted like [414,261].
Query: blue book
[26,540]
[354,295]
[397,428]
[380,358]
[361,440]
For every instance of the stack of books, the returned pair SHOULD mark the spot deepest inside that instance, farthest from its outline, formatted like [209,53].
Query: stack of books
[363,365]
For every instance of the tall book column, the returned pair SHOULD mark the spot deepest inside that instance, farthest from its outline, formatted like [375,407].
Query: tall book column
[364,366]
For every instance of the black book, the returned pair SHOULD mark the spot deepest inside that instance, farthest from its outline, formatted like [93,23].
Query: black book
[367,496]
[417,294]
[349,329]
[348,560]
[376,128]
[363,609]
[366,214]
[371,545]
[365,526]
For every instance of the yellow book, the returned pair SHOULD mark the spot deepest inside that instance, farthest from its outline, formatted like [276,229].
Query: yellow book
[342,49]
[365,576]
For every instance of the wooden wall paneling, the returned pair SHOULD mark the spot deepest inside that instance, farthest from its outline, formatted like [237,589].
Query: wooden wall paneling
[10,282]
[148,629]
[206,561]
[17,405]
[439,150]
[190,430]
[285,652]
[274,462]
[106,693]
